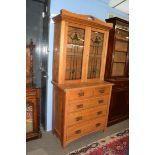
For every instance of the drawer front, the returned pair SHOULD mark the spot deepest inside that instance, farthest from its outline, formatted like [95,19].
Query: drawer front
[85,104]
[30,92]
[80,94]
[86,127]
[88,114]
[101,91]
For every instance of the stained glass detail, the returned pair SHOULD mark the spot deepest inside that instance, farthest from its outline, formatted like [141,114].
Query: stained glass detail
[29,117]
[95,55]
[74,58]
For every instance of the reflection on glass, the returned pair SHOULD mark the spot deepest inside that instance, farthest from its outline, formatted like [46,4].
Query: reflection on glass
[95,55]
[121,46]
[118,69]
[75,45]
[120,57]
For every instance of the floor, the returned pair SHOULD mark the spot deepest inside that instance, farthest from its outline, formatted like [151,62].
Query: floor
[49,144]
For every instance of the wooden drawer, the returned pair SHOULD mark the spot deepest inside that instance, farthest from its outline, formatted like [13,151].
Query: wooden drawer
[101,91]
[86,127]
[88,103]
[79,94]
[31,92]
[88,114]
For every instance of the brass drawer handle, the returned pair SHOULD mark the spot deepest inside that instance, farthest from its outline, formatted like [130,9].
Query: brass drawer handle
[98,124]
[79,118]
[81,93]
[100,101]
[101,91]
[77,131]
[99,112]
[79,106]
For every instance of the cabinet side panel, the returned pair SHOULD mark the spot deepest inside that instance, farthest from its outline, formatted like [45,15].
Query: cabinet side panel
[58,111]
[56,51]
[109,54]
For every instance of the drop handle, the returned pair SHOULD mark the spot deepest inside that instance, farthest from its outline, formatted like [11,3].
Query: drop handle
[101,91]
[81,93]
[98,124]
[77,131]
[79,106]
[100,101]
[99,112]
[79,118]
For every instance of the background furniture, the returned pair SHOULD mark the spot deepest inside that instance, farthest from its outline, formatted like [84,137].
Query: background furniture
[32,98]
[117,69]
[81,97]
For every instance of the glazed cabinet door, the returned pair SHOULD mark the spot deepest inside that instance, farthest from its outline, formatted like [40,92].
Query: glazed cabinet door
[85,54]
[120,54]
[74,53]
[97,54]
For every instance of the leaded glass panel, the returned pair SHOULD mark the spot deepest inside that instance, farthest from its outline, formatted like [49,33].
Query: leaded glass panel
[95,55]
[74,58]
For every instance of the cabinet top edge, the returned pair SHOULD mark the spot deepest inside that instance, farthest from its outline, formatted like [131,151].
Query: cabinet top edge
[83,19]
[115,19]
[82,85]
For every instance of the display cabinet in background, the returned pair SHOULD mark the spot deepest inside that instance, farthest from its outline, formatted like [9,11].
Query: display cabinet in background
[32,98]
[117,69]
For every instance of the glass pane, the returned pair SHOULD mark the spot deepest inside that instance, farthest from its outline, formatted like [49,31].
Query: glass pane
[121,46]
[95,55]
[29,117]
[75,46]
[120,34]
[118,69]
[120,57]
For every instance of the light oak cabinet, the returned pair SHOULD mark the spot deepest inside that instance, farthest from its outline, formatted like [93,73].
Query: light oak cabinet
[81,97]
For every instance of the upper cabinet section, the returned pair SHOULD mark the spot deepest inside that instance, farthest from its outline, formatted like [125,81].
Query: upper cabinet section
[80,48]
[118,50]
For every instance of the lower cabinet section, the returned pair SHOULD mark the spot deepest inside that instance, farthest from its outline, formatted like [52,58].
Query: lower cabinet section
[119,106]
[80,110]
[81,129]
[32,113]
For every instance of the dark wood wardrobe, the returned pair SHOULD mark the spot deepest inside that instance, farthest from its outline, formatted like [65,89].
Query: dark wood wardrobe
[117,69]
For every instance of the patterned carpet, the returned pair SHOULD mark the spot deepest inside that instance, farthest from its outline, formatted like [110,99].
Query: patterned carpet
[116,144]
